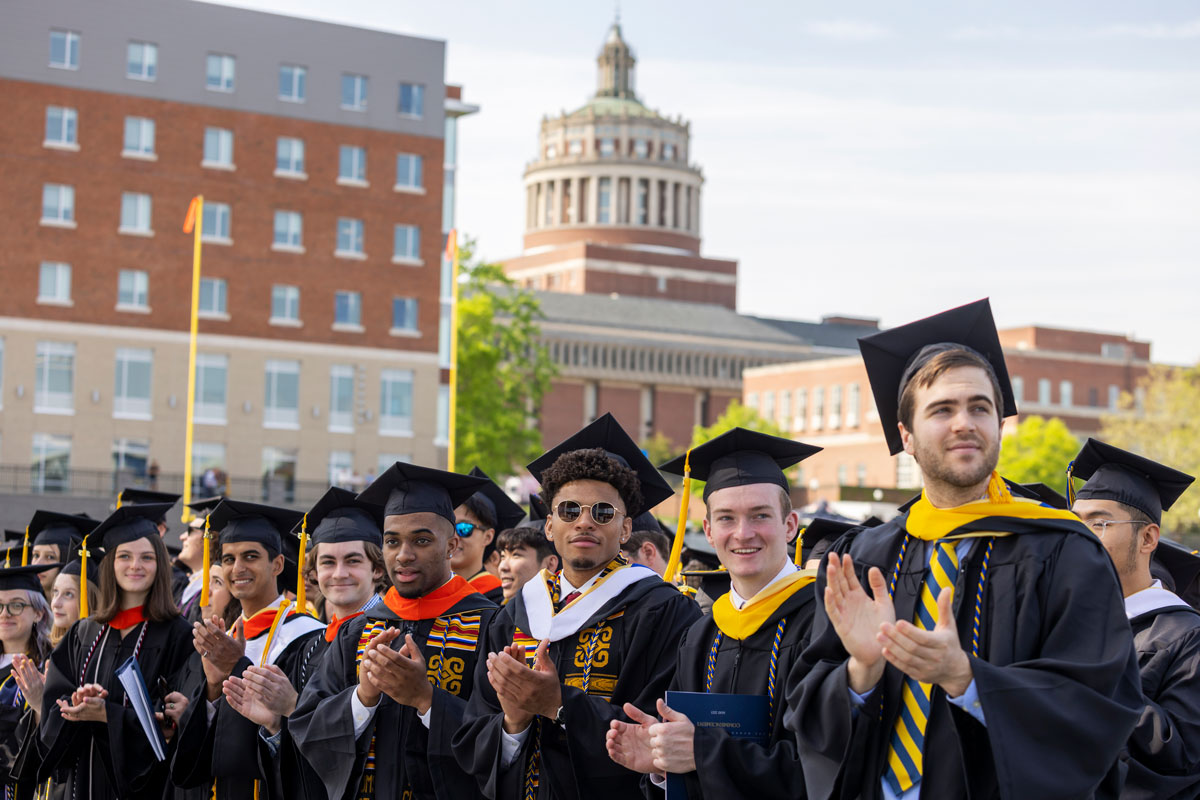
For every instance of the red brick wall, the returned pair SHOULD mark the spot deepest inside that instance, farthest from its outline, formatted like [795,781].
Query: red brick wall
[624,403]
[97,252]
[562,412]
[598,282]
[1070,341]
[674,415]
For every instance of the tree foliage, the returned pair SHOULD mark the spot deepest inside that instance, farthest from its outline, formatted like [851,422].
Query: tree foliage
[503,370]
[1038,452]
[1164,425]
[735,415]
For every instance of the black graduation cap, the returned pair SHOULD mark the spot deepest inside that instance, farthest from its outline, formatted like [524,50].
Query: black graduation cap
[646,521]
[507,513]
[239,521]
[73,566]
[411,489]
[127,524]
[893,356]
[340,516]
[13,547]
[1115,474]
[23,577]
[1040,492]
[130,497]
[607,434]
[740,457]
[538,511]
[65,530]
[202,508]
[1182,565]
[822,532]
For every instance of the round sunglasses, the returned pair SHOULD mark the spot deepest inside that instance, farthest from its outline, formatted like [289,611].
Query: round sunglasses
[601,513]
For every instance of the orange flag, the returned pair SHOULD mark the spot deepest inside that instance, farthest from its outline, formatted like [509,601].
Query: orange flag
[451,244]
[189,222]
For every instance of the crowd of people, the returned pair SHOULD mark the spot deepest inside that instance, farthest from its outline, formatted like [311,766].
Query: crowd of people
[427,637]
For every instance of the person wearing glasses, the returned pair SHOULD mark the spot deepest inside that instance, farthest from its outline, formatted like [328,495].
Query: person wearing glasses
[1122,502]
[598,634]
[477,521]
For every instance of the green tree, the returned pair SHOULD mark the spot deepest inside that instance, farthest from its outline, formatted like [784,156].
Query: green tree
[1165,426]
[1038,452]
[659,448]
[735,415]
[503,370]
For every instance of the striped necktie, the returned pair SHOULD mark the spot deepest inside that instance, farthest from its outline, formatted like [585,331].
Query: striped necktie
[907,745]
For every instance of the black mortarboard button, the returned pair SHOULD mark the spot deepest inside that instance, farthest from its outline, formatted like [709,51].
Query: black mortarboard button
[538,511]
[741,457]
[1115,474]
[893,356]
[23,577]
[1039,492]
[239,521]
[72,567]
[607,434]
[127,524]
[1182,565]
[341,516]
[506,512]
[65,530]
[411,489]
[646,521]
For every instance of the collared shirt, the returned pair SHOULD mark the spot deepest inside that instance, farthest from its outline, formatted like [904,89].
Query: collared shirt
[1152,598]
[738,601]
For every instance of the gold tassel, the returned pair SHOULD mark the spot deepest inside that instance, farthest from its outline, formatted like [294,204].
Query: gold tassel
[799,547]
[301,605]
[83,584]
[24,550]
[681,528]
[206,569]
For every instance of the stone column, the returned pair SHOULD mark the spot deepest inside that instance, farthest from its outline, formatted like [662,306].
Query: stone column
[670,204]
[593,204]
[652,201]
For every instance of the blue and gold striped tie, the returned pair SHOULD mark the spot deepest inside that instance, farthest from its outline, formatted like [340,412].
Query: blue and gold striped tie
[907,746]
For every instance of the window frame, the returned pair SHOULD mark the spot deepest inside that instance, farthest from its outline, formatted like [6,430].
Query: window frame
[46,401]
[357,236]
[149,71]
[343,422]
[203,411]
[361,86]
[143,124]
[417,94]
[220,291]
[412,316]
[289,296]
[68,131]
[299,83]
[347,310]
[416,172]
[59,268]
[142,221]
[71,36]
[274,415]
[290,172]
[65,217]
[357,162]
[125,406]
[138,276]
[223,147]
[389,380]
[222,211]
[225,58]
[412,236]
[293,231]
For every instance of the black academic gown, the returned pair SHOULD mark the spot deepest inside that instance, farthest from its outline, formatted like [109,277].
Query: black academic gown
[114,759]
[634,664]
[726,766]
[18,774]
[1164,750]
[1056,673]
[229,751]
[411,761]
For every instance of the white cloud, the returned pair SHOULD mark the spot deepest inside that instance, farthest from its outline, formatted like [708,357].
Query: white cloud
[847,30]
[1151,30]
[987,33]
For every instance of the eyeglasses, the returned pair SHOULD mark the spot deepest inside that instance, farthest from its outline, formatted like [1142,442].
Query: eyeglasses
[1098,526]
[16,608]
[465,529]
[601,513]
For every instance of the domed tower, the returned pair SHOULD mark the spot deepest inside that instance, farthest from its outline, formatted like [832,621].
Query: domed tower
[612,202]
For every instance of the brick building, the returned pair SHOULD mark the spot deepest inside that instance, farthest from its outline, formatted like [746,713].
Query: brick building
[324,154]
[1076,376]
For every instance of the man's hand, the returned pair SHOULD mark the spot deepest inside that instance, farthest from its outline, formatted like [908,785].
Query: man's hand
[273,688]
[245,702]
[857,617]
[525,692]
[368,692]
[628,743]
[934,656]
[219,653]
[29,680]
[401,675]
[86,704]
[671,742]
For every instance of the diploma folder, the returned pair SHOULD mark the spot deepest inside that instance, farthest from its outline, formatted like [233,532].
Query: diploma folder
[130,676]
[742,716]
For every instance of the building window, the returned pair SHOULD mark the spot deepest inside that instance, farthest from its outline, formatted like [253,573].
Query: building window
[395,402]
[1018,387]
[131,390]
[347,309]
[133,290]
[64,49]
[289,230]
[51,466]
[409,169]
[1114,396]
[404,314]
[279,475]
[141,62]
[908,474]
[352,164]
[412,99]
[139,137]
[751,397]
[289,156]
[281,407]
[61,127]
[354,92]
[667,153]
[213,293]
[135,213]
[285,304]
[641,148]
[54,382]
[1066,394]
[1115,350]
[604,201]
[218,148]
[1043,391]
[207,456]
[291,83]
[406,243]
[608,147]
[835,407]
[801,421]
[212,371]
[341,398]
[349,237]
[768,405]
[58,204]
[219,73]
[551,151]
[818,419]
[216,223]
[54,283]
[853,406]
[1093,397]
[860,475]
[130,456]
[341,469]
[642,211]
[841,474]
[575,147]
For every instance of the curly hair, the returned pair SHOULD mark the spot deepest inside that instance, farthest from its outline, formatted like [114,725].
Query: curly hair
[594,464]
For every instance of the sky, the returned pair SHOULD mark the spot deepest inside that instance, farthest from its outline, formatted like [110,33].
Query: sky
[875,159]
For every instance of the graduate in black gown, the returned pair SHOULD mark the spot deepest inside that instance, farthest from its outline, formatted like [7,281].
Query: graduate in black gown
[190,562]
[220,748]
[991,656]
[752,640]
[53,538]
[89,738]
[376,719]
[1122,502]
[477,522]
[609,634]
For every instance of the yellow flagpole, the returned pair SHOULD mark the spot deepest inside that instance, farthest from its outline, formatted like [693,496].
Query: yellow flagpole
[452,433]
[193,224]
